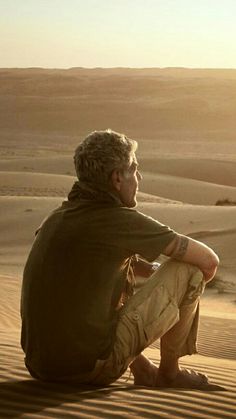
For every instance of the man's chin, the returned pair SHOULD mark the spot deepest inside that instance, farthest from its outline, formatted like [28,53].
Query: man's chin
[133,204]
[130,203]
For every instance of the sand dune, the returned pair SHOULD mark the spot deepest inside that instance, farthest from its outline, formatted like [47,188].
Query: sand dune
[23,397]
[163,185]
[60,165]
[185,123]
[221,172]
[207,170]
[186,190]
[139,102]
[49,185]
[34,184]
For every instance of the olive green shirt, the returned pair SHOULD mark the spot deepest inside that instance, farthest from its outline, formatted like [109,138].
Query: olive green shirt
[75,274]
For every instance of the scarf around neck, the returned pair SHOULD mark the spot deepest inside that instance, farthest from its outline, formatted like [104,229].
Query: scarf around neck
[92,192]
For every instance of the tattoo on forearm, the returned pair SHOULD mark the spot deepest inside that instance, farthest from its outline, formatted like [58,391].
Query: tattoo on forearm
[181,247]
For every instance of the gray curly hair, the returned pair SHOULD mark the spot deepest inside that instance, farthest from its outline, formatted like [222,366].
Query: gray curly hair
[100,153]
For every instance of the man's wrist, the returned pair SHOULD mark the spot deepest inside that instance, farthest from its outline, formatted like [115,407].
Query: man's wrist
[155,266]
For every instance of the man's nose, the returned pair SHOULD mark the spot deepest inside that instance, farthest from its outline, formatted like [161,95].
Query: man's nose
[139,176]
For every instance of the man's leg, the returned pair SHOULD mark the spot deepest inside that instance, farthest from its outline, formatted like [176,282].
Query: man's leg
[185,285]
[158,307]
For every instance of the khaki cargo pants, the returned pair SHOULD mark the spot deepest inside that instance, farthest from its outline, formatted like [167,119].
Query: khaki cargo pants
[166,307]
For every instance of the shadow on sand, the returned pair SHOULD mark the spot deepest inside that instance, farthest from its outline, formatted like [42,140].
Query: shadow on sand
[31,397]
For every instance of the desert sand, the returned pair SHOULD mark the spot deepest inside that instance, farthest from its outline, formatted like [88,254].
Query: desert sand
[184,121]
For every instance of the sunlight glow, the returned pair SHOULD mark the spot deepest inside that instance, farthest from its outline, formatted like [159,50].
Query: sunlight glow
[128,33]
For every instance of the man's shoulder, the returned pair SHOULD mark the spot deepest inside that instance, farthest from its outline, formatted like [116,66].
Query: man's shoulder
[132,217]
[134,212]
[127,212]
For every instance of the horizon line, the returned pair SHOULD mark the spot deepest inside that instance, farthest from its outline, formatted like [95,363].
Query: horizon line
[117,68]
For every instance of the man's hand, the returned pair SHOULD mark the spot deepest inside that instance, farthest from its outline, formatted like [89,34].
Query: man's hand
[194,252]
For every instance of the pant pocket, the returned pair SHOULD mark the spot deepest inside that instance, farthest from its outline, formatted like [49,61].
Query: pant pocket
[135,332]
[195,288]
[162,323]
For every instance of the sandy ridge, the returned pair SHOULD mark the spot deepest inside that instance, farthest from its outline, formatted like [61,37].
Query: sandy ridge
[211,170]
[186,190]
[168,187]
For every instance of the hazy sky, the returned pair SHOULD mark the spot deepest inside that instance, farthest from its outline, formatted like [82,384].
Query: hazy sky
[111,33]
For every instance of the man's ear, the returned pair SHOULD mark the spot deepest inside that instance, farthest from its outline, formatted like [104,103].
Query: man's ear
[116,179]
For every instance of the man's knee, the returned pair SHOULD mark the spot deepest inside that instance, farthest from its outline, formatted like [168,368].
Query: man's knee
[182,269]
[182,279]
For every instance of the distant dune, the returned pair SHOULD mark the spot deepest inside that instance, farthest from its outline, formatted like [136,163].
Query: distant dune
[142,103]
[205,169]
[34,184]
[186,190]
[161,185]
[212,170]
[55,164]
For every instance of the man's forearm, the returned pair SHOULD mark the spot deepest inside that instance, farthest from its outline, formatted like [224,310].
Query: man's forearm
[197,253]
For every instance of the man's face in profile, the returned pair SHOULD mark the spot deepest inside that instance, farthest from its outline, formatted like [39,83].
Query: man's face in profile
[129,184]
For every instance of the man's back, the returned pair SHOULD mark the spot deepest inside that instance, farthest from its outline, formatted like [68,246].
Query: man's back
[72,282]
[78,267]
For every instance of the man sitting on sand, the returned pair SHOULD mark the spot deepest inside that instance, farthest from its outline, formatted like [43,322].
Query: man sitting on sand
[82,320]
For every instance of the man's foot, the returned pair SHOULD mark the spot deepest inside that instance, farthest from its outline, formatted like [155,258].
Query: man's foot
[187,379]
[147,374]
[144,371]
